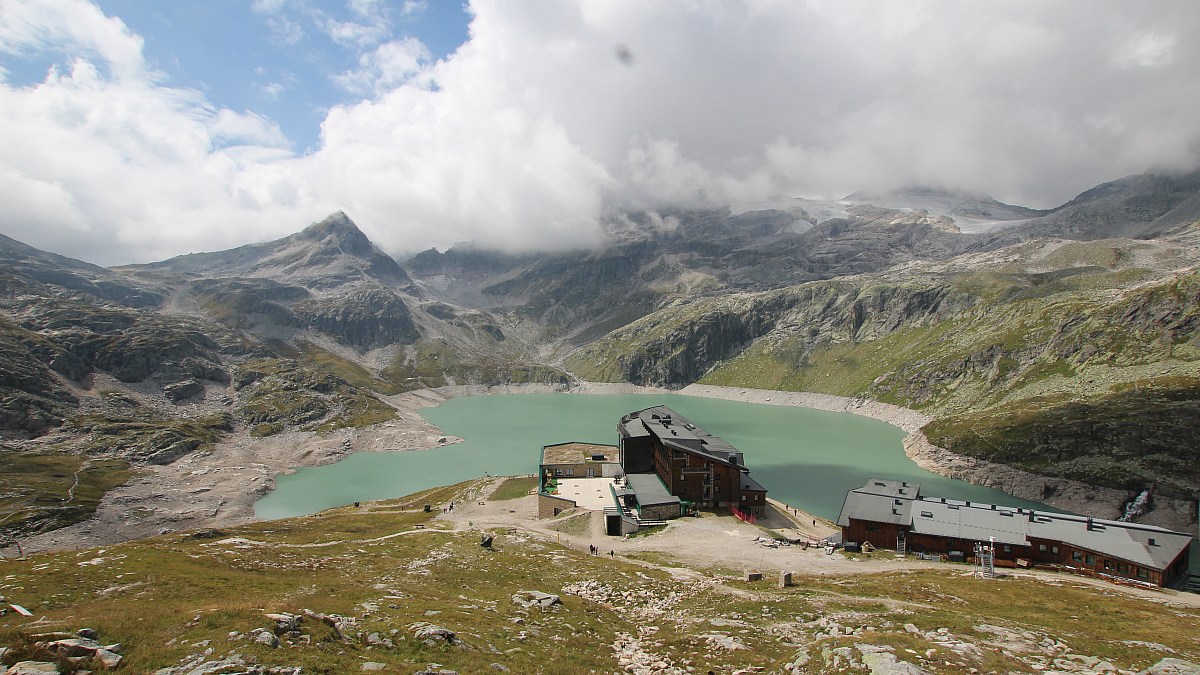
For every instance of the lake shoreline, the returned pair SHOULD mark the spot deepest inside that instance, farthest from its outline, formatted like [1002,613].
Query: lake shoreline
[1061,493]
[220,488]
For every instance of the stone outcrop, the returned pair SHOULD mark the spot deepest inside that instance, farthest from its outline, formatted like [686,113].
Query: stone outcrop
[367,316]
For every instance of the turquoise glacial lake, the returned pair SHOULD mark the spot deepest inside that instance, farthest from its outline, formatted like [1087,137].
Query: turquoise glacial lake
[805,458]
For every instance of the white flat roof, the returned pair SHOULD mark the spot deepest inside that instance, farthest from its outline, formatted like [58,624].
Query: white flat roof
[588,493]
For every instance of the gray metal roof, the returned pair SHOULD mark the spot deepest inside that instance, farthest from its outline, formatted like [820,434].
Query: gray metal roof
[649,489]
[1127,541]
[883,501]
[875,508]
[892,488]
[955,519]
[633,428]
[749,483]
[898,503]
[677,432]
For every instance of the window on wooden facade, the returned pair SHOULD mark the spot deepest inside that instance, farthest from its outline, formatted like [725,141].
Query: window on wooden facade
[570,472]
[1007,548]
[1090,559]
[872,527]
[1077,556]
[1108,565]
[1143,573]
[1054,549]
[1042,548]
[1122,568]
[558,472]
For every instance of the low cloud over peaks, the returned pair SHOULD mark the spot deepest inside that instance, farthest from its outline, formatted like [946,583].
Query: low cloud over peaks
[556,112]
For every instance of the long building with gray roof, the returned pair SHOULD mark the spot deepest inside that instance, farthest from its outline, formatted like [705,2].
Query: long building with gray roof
[894,514]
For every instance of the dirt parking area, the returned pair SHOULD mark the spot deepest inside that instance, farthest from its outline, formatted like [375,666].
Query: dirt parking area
[711,540]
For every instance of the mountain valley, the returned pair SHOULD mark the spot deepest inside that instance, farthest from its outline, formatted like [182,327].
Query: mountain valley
[1062,343]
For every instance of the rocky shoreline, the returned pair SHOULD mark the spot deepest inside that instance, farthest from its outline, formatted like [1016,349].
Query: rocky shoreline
[1060,493]
[219,488]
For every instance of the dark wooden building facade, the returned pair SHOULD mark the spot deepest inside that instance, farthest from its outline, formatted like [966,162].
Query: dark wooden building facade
[694,465]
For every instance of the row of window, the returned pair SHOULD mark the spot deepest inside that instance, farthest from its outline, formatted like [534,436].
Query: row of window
[1109,565]
[570,471]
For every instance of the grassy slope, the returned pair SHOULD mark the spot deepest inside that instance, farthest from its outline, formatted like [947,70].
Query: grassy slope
[40,492]
[161,597]
[1058,372]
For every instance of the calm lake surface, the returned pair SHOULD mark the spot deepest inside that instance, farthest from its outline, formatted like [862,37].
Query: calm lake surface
[806,458]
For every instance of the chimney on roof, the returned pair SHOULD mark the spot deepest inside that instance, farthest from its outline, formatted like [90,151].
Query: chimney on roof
[1090,526]
[1151,542]
[1031,516]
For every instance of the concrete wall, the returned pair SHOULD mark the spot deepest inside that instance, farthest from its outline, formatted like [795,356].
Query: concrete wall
[580,469]
[548,503]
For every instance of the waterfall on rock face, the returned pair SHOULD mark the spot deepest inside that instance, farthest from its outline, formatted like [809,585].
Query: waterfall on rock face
[1136,507]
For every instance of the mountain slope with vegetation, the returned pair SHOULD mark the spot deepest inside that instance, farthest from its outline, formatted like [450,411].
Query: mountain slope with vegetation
[1079,360]
[1031,338]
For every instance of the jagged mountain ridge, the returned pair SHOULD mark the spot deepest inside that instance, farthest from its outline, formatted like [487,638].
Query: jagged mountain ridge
[23,261]
[652,261]
[1137,207]
[327,254]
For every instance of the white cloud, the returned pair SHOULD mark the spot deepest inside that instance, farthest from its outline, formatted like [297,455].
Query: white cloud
[114,169]
[388,66]
[413,7]
[272,90]
[356,34]
[538,125]
[45,25]
[285,29]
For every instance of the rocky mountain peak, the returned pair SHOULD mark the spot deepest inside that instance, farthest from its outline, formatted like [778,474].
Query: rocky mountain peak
[327,254]
[1141,206]
[339,230]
